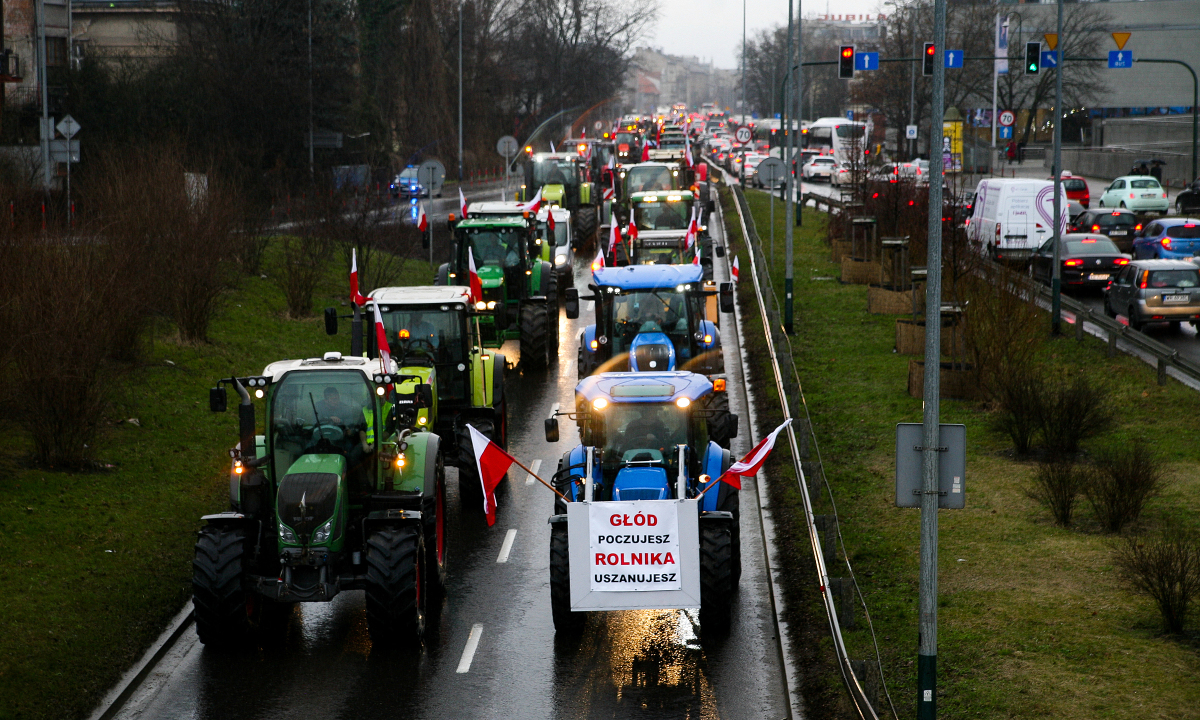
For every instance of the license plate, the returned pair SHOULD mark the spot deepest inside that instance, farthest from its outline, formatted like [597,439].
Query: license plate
[1146,196]
[1114,233]
[1098,276]
[1175,298]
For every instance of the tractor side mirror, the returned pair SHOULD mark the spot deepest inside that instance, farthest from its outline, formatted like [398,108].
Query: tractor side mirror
[331,321]
[720,250]
[424,395]
[217,401]
[733,425]
[726,296]
[552,430]
[571,303]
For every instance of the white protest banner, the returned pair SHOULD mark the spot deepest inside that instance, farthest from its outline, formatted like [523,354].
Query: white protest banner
[634,546]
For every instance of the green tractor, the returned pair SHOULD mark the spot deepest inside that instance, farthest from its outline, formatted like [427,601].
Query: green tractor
[432,332]
[520,287]
[343,490]
[565,179]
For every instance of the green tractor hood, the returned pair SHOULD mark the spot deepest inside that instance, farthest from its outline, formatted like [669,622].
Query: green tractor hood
[490,276]
[310,495]
[553,193]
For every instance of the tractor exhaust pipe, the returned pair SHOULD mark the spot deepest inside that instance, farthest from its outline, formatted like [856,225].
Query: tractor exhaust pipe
[245,423]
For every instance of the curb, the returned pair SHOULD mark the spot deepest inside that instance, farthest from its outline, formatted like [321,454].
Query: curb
[133,677]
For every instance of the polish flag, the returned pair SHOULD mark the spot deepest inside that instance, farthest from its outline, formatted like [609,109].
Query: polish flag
[734,269]
[752,462]
[535,204]
[492,464]
[687,152]
[693,230]
[385,352]
[646,151]
[550,220]
[473,278]
[696,258]
[355,295]
[614,239]
[631,232]
[598,262]
[422,221]
[462,204]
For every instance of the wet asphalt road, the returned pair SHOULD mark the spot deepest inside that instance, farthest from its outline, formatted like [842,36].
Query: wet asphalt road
[632,664]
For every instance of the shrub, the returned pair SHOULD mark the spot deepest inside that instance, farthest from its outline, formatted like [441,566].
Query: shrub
[1166,568]
[1057,485]
[1074,412]
[1125,480]
[1018,401]
[302,261]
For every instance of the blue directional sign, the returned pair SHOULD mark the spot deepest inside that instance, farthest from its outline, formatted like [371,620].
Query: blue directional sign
[954,58]
[1049,59]
[866,61]
[1006,132]
[1120,59]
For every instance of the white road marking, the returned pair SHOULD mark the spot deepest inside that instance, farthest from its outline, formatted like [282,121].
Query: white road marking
[537,465]
[464,665]
[591,305]
[506,548]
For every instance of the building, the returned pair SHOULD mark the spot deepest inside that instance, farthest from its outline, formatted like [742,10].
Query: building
[655,78]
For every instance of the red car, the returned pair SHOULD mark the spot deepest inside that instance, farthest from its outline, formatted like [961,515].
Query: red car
[1077,189]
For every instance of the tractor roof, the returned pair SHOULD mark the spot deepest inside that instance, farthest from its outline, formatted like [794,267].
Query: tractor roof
[331,361]
[503,221]
[561,214]
[648,277]
[538,157]
[425,295]
[668,195]
[495,207]
[644,387]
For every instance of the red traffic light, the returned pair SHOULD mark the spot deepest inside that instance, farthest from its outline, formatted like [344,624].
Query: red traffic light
[848,52]
[929,49]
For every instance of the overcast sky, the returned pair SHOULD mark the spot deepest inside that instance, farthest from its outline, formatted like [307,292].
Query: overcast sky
[712,28]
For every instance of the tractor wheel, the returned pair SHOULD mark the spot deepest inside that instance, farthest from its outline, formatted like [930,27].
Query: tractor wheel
[565,621]
[535,328]
[395,596]
[223,608]
[585,226]
[552,315]
[434,520]
[730,502]
[719,426]
[716,578]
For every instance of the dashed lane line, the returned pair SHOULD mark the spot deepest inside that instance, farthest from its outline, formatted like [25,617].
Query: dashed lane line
[537,465]
[506,548]
[464,665]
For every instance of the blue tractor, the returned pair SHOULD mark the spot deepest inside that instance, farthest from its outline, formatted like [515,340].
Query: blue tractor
[645,436]
[651,318]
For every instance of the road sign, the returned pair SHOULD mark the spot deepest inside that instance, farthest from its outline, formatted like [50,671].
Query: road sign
[68,127]
[431,174]
[1051,40]
[1007,118]
[1120,59]
[1006,132]
[954,58]
[952,465]
[325,139]
[1120,39]
[770,171]
[507,146]
[743,135]
[1050,58]
[58,151]
[599,124]
[866,61]
[910,132]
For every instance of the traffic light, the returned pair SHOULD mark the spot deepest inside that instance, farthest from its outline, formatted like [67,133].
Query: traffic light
[1033,58]
[927,59]
[846,62]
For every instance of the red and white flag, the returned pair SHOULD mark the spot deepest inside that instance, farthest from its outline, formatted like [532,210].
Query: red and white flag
[646,151]
[631,232]
[693,229]
[492,464]
[734,270]
[355,296]
[687,152]
[475,284]
[696,257]
[550,220]
[422,221]
[598,262]
[614,239]
[385,352]
[462,204]
[753,461]
[535,204]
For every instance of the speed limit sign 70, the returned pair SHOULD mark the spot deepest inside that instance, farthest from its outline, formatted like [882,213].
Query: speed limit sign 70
[743,135]
[1007,118]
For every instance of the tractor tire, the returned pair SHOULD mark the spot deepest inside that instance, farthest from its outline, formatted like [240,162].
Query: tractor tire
[223,608]
[394,590]
[433,517]
[730,502]
[716,578]
[719,426]
[470,489]
[535,340]
[585,226]
[565,621]
[552,315]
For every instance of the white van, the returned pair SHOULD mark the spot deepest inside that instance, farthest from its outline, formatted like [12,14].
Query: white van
[1013,216]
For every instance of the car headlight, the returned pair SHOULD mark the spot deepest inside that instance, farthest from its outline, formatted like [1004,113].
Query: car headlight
[560,259]
[322,534]
[286,535]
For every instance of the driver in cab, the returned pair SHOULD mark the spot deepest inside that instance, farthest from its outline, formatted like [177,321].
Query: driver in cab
[647,429]
[334,410]
[489,249]
[420,329]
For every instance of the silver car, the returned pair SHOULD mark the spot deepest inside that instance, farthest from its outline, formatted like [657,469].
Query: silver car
[1154,291]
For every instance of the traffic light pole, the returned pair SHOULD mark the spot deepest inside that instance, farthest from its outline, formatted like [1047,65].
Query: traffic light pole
[1056,281]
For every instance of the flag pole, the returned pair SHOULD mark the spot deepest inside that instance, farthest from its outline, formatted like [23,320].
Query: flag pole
[712,484]
[535,475]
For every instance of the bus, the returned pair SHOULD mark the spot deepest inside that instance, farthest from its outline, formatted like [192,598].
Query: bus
[835,136]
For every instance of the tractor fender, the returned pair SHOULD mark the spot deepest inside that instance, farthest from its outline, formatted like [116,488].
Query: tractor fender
[589,334]
[585,193]
[499,362]
[715,516]
[443,275]
[716,462]
[708,327]
[420,470]
[487,365]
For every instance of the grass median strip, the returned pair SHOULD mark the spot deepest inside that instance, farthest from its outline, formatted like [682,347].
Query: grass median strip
[1033,619]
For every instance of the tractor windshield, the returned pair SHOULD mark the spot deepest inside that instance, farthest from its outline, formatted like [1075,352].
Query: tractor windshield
[650,178]
[665,310]
[639,432]
[661,213]
[423,335]
[498,247]
[322,411]
[553,172]
[660,253]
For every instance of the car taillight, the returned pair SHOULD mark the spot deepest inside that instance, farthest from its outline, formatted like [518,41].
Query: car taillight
[1121,261]
[1166,242]
[1130,196]
[1137,228]
[1073,263]
[1095,228]
[1164,196]
[1145,277]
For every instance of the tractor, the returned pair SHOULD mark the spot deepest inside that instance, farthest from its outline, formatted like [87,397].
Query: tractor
[565,180]
[343,490]
[432,332]
[662,221]
[645,436]
[520,287]
[655,318]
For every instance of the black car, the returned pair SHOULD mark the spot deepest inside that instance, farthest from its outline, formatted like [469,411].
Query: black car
[1088,259]
[1188,200]
[1119,225]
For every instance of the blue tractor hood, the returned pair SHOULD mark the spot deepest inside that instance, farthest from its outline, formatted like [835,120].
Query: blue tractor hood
[649,277]
[644,387]
[651,351]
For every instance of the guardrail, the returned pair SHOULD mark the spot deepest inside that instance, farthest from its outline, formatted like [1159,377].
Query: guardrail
[779,352]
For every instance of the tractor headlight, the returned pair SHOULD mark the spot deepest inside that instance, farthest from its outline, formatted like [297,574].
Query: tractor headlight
[683,402]
[422,420]
[491,305]
[599,403]
[322,534]
[401,461]
[286,535]
[560,259]
[481,305]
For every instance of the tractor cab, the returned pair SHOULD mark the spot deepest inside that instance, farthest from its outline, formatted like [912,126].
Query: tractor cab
[560,177]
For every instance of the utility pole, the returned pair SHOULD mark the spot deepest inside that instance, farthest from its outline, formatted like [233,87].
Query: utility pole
[46,132]
[1056,282]
[796,96]
[743,62]
[912,98]
[927,600]
[460,89]
[789,183]
[311,172]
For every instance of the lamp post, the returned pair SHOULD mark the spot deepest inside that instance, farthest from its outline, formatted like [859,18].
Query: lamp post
[460,92]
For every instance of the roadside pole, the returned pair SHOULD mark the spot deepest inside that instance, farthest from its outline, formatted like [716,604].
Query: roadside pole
[927,596]
[460,90]
[1056,282]
[797,94]
[789,183]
